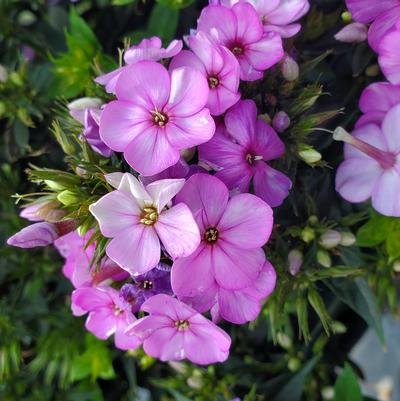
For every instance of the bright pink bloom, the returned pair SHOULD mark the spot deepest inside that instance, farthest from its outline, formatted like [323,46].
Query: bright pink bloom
[276,15]
[239,155]
[136,218]
[148,49]
[107,315]
[372,164]
[38,234]
[218,65]
[232,234]
[382,13]
[173,331]
[353,33]
[153,119]
[389,55]
[240,30]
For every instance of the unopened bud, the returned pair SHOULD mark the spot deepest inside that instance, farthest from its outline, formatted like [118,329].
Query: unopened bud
[290,69]
[396,266]
[295,259]
[348,238]
[353,33]
[284,340]
[307,234]
[67,197]
[308,154]
[313,220]
[35,235]
[330,239]
[78,107]
[3,74]
[323,258]
[346,17]
[294,364]
[55,186]
[328,393]
[281,121]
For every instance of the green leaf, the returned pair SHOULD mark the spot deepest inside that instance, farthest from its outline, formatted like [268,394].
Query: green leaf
[393,243]
[358,296]
[21,133]
[374,232]
[81,31]
[176,4]
[347,387]
[163,22]
[293,390]
[122,2]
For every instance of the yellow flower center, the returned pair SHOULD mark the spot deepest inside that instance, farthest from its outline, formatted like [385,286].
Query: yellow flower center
[211,235]
[159,118]
[182,325]
[213,82]
[149,216]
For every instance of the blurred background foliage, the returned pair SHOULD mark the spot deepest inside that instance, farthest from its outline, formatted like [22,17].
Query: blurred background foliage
[298,348]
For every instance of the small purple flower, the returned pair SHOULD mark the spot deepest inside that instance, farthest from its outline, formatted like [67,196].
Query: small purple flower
[148,49]
[173,331]
[218,65]
[137,220]
[240,30]
[156,281]
[35,235]
[239,155]
[107,316]
[281,121]
[153,119]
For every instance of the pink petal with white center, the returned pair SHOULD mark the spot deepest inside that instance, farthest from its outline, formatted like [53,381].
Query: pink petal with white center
[178,231]
[151,152]
[249,27]
[379,97]
[193,276]
[390,129]
[389,56]
[206,195]
[236,268]
[271,185]
[222,19]
[187,59]
[102,323]
[121,122]
[240,122]
[356,178]
[386,193]
[189,92]
[267,142]
[382,26]
[162,191]
[186,132]
[247,222]
[266,52]
[135,86]
[115,212]
[136,249]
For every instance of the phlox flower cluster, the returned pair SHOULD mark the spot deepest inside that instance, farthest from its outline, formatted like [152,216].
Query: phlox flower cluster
[184,229]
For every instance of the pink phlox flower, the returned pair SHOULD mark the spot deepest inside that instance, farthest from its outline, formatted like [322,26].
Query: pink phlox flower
[153,119]
[137,219]
[389,54]
[173,331]
[240,153]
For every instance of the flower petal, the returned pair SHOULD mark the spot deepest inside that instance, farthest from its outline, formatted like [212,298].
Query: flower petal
[249,27]
[385,195]
[90,299]
[102,323]
[267,142]
[389,56]
[379,96]
[162,191]
[124,341]
[390,129]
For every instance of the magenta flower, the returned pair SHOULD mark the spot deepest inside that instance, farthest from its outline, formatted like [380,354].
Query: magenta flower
[389,55]
[38,234]
[218,65]
[136,218]
[372,164]
[232,234]
[239,155]
[173,331]
[383,14]
[240,30]
[107,315]
[147,50]
[276,15]
[153,119]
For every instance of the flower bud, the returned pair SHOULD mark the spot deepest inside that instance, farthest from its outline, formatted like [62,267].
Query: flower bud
[290,69]
[352,33]
[295,259]
[328,393]
[308,154]
[281,121]
[348,238]
[31,212]
[3,74]
[38,234]
[307,234]
[313,220]
[346,17]
[396,266]
[330,239]
[284,340]
[77,107]
[55,186]
[67,197]
[294,364]
[323,258]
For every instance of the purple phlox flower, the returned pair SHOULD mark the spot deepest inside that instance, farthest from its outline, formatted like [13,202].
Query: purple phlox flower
[173,331]
[156,281]
[28,52]
[218,65]
[240,30]
[242,306]
[353,33]
[87,111]
[35,235]
[375,102]
[240,157]
[153,119]
[276,15]
[389,55]
[371,168]
[107,315]
[136,218]
[383,14]
[232,234]
[147,50]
